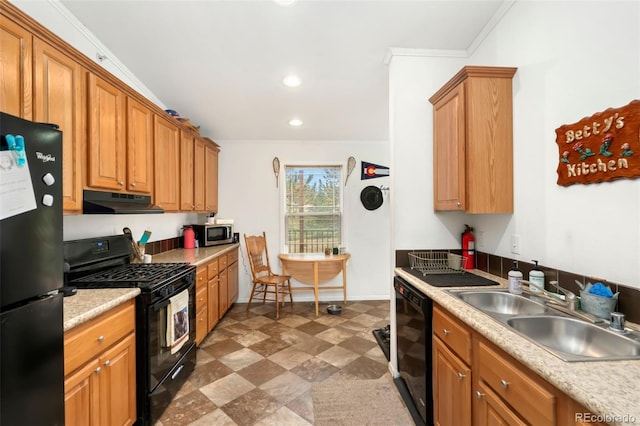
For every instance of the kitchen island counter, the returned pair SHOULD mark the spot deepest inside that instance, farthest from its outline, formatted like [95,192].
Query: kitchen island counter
[87,304]
[606,388]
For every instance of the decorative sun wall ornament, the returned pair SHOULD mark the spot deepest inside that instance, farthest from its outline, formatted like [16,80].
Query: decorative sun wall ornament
[276,169]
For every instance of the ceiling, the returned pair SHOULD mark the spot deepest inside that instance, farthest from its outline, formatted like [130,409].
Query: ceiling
[221,63]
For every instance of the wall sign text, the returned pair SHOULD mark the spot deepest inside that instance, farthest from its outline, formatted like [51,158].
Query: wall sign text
[600,148]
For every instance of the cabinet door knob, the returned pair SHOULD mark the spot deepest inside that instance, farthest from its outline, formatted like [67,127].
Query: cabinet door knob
[479,395]
[107,363]
[461,376]
[98,370]
[100,339]
[133,184]
[445,331]
[458,204]
[504,383]
[121,183]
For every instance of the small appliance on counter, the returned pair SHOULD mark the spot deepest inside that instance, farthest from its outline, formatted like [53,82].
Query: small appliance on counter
[214,234]
[189,237]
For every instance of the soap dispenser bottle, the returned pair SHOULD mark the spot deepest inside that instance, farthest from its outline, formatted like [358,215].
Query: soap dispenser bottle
[536,276]
[515,275]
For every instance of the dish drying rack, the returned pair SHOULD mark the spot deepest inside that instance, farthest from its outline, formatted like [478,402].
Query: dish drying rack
[436,262]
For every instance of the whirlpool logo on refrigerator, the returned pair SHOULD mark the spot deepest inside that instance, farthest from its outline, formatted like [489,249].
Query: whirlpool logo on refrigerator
[45,158]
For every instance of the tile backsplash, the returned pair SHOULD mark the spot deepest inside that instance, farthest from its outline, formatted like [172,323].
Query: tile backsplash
[628,300]
[156,247]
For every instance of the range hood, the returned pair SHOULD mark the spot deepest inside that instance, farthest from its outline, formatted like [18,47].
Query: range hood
[98,202]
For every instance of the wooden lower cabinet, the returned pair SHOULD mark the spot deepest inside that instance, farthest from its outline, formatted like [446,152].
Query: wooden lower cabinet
[202,303]
[100,370]
[216,290]
[491,410]
[573,413]
[503,391]
[452,387]
[213,308]
[223,291]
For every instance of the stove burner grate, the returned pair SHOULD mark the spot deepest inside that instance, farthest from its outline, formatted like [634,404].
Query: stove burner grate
[134,274]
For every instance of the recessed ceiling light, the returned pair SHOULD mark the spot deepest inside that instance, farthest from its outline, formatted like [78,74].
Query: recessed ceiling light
[295,122]
[291,80]
[284,2]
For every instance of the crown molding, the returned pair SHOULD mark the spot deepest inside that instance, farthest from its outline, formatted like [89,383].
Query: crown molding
[462,53]
[486,30]
[426,53]
[102,52]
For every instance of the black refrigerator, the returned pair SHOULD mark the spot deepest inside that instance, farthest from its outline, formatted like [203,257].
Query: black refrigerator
[31,274]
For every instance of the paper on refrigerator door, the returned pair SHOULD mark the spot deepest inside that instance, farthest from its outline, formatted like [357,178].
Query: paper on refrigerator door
[16,189]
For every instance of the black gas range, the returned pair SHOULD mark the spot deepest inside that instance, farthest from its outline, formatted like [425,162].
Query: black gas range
[165,313]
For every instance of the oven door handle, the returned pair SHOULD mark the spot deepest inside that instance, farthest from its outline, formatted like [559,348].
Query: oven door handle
[160,305]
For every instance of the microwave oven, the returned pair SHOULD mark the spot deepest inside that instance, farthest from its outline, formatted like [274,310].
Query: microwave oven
[211,234]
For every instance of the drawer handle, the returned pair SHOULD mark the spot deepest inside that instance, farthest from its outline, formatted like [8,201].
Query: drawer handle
[101,339]
[445,331]
[461,376]
[174,375]
[479,395]
[504,383]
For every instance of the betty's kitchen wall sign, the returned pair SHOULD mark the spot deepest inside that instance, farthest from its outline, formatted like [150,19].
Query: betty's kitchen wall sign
[600,148]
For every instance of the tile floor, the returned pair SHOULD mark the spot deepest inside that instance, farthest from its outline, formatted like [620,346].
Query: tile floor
[254,370]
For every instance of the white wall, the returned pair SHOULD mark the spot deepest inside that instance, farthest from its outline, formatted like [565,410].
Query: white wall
[248,194]
[574,59]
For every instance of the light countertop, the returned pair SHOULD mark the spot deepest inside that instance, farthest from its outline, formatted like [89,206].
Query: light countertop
[87,304]
[607,388]
[196,256]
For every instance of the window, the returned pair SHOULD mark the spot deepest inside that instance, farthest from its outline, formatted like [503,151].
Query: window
[313,208]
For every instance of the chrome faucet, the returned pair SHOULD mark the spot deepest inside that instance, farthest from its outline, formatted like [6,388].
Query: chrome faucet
[570,301]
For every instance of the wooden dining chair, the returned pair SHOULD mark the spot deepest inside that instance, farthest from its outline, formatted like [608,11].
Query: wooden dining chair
[264,280]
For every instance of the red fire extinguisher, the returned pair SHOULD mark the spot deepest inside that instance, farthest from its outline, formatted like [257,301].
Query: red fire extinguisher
[468,248]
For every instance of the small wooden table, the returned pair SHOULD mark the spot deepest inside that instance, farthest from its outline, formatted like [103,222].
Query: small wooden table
[313,268]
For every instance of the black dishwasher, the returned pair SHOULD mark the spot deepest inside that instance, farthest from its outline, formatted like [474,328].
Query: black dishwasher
[414,346]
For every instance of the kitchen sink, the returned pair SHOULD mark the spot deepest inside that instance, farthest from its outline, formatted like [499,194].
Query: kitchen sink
[558,331]
[575,340]
[501,302]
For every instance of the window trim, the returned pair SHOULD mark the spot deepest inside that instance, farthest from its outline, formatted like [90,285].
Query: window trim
[283,196]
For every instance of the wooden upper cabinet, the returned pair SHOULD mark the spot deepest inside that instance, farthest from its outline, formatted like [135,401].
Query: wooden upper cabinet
[211,177]
[449,153]
[167,164]
[139,147]
[199,174]
[187,146]
[60,98]
[107,146]
[15,69]
[473,141]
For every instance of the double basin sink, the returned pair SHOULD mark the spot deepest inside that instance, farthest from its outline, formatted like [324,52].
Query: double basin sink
[566,337]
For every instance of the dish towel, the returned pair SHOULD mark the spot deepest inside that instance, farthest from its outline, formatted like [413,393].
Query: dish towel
[178,321]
